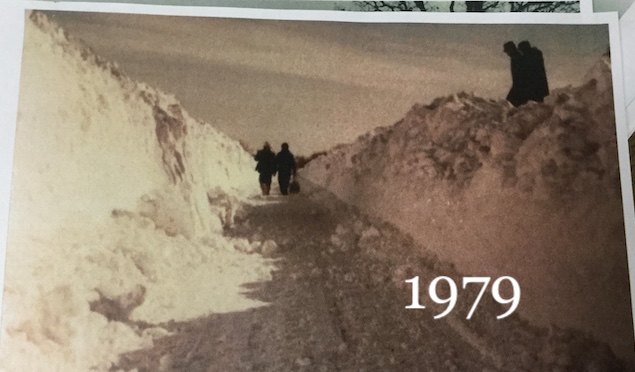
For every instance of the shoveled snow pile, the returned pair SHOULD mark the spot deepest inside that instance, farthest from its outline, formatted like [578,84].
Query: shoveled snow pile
[119,201]
[530,192]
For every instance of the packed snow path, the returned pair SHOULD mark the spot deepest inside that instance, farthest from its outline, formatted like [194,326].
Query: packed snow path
[334,305]
[305,328]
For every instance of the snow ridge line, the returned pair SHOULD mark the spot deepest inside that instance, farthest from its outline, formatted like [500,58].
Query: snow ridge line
[125,205]
[532,192]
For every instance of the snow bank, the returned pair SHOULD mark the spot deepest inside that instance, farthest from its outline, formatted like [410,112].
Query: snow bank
[119,200]
[531,192]
[92,134]
[378,252]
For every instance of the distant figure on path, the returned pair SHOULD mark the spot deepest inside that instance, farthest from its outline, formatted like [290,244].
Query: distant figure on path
[534,66]
[266,167]
[518,93]
[286,168]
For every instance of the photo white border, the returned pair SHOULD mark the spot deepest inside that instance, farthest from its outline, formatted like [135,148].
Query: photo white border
[314,15]
[622,133]
[11,42]
[586,6]
[12,14]
[627,27]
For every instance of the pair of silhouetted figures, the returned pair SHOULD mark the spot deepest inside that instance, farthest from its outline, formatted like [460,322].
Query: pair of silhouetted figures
[270,163]
[529,78]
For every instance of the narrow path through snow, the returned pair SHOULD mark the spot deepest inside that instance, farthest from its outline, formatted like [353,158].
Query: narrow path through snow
[326,313]
[335,307]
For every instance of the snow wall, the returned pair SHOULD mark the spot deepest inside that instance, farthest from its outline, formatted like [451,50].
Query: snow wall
[530,192]
[119,199]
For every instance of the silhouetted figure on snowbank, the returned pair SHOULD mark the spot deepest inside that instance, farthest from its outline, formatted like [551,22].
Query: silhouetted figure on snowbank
[534,64]
[266,166]
[529,78]
[286,168]
[517,95]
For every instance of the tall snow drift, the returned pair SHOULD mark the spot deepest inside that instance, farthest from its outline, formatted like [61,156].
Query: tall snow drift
[119,199]
[115,141]
[530,192]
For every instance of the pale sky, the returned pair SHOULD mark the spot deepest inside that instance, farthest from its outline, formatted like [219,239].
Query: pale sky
[318,84]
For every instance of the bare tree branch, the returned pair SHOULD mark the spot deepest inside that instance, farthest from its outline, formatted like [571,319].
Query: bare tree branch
[421,5]
[471,6]
[544,6]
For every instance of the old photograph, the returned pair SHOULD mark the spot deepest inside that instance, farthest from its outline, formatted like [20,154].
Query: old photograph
[205,193]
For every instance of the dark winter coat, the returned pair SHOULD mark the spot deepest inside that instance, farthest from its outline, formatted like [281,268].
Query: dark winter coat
[286,168]
[267,165]
[536,76]
[286,164]
[518,94]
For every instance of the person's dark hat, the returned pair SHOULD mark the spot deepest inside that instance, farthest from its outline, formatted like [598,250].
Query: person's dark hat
[285,145]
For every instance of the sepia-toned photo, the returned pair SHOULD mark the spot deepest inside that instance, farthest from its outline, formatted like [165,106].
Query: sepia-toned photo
[205,193]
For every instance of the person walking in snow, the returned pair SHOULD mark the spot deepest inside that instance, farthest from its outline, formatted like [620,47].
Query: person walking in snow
[266,167]
[286,168]
[518,93]
[534,68]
